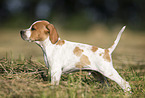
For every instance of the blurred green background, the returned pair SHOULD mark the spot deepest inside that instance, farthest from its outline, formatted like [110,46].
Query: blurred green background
[73,14]
[95,22]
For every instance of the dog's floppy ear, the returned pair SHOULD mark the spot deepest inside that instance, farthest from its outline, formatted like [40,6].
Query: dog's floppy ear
[53,33]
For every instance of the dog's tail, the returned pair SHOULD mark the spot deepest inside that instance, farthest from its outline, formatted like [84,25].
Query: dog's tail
[111,49]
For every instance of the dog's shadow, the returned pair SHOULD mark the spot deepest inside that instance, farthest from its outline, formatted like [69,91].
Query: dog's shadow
[84,77]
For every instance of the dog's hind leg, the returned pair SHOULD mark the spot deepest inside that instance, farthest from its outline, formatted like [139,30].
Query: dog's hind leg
[111,73]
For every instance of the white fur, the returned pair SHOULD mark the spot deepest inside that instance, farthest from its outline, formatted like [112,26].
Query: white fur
[28,34]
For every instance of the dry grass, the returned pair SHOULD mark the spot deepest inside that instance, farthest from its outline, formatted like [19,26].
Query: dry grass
[23,73]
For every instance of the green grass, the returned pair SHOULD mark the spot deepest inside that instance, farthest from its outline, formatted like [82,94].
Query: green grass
[29,78]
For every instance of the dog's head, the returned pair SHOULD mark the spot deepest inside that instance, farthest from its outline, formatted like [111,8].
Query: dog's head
[39,31]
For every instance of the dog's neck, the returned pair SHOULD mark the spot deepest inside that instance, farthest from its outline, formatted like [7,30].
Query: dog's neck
[46,45]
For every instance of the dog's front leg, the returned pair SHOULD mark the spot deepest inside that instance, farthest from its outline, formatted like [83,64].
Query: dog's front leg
[55,76]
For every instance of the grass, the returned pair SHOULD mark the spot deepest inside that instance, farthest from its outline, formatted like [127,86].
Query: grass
[29,78]
[23,75]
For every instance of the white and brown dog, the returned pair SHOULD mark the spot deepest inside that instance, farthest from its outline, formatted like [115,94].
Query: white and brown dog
[63,56]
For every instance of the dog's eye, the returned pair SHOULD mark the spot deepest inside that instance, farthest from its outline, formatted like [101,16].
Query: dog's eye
[33,28]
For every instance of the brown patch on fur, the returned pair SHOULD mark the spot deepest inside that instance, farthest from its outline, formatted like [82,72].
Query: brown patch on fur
[84,61]
[107,56]
[41,30]
[60,42]
[77,51]
[94,48]
[53,33]
[79,65]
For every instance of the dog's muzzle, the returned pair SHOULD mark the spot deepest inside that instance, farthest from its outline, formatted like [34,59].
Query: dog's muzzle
[23,36]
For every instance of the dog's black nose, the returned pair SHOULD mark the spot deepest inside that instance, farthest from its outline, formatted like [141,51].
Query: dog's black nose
[22,32]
